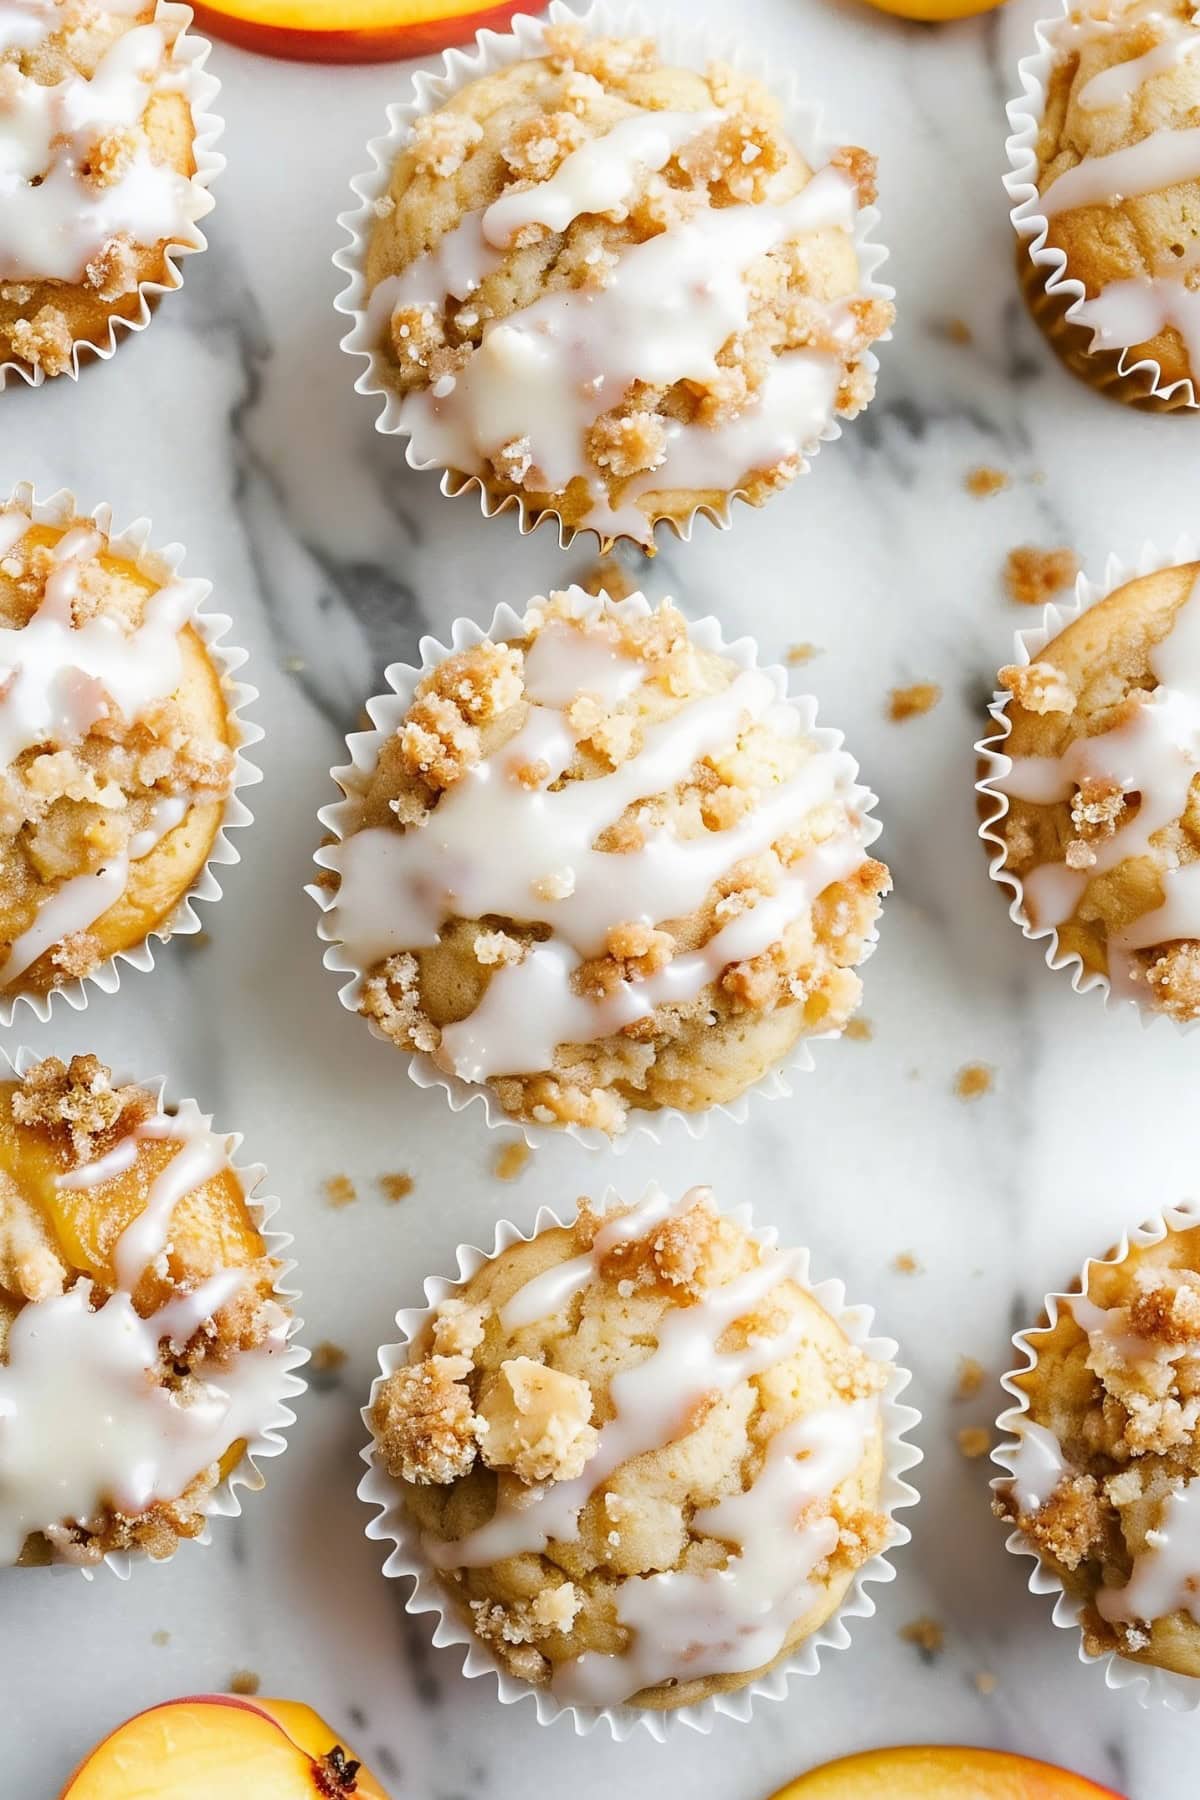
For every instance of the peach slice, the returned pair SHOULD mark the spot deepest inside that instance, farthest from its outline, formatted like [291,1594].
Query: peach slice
[221,1744]
[941,1772]
[935,12]
[351,31]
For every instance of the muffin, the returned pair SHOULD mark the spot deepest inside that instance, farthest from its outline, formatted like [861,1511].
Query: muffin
[1117,179]
[101,137]
[617,291]
[117,743]
[1100,1478]
[143,1345]
[600,865]
[644,1460]
[1101,834]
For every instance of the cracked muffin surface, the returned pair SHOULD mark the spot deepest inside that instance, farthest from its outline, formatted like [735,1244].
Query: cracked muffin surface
[142,1344]
[117,747]
[1105,1477]
[601,867]
[644,1459]
[1103,820]
[616,289]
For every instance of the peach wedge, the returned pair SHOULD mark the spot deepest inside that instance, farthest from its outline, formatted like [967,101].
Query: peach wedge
[219,1744]
[353,31]
[941,1772]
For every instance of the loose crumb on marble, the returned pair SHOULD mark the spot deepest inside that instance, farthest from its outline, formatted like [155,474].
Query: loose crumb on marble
[974,1441]
[973,1081]
[905,1263]
[957,331]
[397,1186]
[985,1681]
[198,940]
[1032,576]
[912,702]
[802,653]
[244,1681]
[929,1636]
[327,1358]
[340,1191]
[858,1030]
[294,665]
[510,1160]
[160,1638]
[971,1377]
[608,576]
[984,481]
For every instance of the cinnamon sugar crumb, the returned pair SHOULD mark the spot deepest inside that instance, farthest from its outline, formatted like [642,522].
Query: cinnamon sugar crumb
[957,331]
[971,1377]
[985,1682]
[160,1638]
[905,1263]
[244,1681]
[1032,576]
[802,653]
[327,1358]
[424,1423]
[928,1634]
[608,576]
[973,1081]
[985,481]
[858,1030]
[339,1191]
[974,1441]
[511,1160]
[912,702]
[396,1187]
[536,1421]
[1040,687]
[80,1099]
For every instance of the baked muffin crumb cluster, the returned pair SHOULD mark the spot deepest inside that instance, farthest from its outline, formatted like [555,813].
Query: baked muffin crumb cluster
[602,867]
[527,266]
[141,1338]
[645,1460]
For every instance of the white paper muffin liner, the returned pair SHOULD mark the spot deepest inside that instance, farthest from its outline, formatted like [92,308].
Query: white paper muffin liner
[224,1502]
[188,56]
[679,44]
[386,712]
[392,1525]
[1151,1686]
[134,544]
[1027,647]
[1045,273]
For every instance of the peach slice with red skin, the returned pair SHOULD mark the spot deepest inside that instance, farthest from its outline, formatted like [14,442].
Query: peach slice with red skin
[223,1744]
[941,1772]
[351,31]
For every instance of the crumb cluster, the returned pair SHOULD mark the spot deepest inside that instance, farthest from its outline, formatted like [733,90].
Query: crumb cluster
[486,1413]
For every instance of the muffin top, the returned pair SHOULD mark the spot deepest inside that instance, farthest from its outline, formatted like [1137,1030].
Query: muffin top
[1119,173]
[644,1458]
[617,289]
[96,142]
[140,1340]
[115,747]
[1103,824]
[599,866]
[1109,1448]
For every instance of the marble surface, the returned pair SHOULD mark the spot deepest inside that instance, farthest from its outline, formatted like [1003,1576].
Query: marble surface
[233,424]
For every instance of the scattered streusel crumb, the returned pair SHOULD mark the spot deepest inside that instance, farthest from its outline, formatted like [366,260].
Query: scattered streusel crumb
[327,1358]
[985,481]
[858,1030]
[294,665]
[160,1638]
[608,576]
[905,1263]
[511,1160]
[929,1636]
[396,1187]
[340,1191]
[244,1681]
[957,331]
[973,1081]
[971,1377]
[912,702]
[1033,576]
[985,1682]
[802,653]
[974,1441]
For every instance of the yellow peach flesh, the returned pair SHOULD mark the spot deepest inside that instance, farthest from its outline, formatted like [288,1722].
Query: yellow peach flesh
[941,1772]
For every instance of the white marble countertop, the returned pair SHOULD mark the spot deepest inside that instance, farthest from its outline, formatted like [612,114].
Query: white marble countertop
[233,424]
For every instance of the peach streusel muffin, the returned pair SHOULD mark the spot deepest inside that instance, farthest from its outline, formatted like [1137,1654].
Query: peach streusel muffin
[600,866]
[643,1458]
[141,1341]
[1118,174]
[1109,1452]
[96,120]
[617,290]
[116,748]
[1103,821]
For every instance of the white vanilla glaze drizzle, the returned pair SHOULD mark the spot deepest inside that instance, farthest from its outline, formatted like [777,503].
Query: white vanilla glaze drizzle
[1125,313]
[1154,162]
[490,844]
[1038,1465]
[84,1423]
[653,1402]
[1166,1575]
[725,1621]
[1111,87]
[52,229]
[1155,754]
[549,1292]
